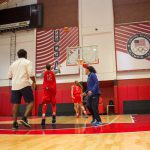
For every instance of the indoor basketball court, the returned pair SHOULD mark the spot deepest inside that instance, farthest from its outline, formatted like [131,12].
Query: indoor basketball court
[113,36]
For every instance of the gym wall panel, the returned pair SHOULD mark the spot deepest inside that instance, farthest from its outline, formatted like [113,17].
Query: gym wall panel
[106,67]
[27,41]
[4,57]
[128,14]
[60,13]
[133,75]
[5,105]
[126,11]
[96,13]
[57,15]
[143,92]
[24,40]
[63,96]
[49,50]
[96,28]
[132,90]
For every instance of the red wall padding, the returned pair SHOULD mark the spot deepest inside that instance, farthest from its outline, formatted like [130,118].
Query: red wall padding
[5,105]
[127,90]
[63,96]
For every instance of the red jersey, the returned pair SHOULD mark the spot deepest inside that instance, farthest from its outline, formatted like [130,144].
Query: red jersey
[77,90]
[49,81]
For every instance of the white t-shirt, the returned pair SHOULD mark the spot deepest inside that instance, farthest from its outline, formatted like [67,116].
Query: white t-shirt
[20,72]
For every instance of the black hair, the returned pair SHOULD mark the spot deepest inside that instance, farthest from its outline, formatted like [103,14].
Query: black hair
[22,53]
[48,66]
[91,69]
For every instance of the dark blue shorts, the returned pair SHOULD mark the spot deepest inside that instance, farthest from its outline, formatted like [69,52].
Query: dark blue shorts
[26,93]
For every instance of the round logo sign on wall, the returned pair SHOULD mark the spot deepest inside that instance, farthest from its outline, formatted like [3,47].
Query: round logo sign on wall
[138,46]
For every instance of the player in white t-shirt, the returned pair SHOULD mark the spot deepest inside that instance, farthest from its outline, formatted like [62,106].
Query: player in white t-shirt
[20,72]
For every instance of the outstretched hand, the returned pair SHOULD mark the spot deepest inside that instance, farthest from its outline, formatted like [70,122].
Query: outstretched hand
[89,93]
[84,94]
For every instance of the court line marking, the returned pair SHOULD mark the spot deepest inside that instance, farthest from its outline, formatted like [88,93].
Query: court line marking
[114,119]
[45,134]
[132,119]
[64,128]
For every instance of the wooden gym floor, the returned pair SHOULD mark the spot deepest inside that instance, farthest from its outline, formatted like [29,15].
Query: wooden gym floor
[118,132]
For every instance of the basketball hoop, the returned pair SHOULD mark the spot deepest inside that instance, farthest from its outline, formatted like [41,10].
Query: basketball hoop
[80,61]
[82,55]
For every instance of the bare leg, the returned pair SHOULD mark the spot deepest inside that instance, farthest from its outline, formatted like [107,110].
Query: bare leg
[44,108]
[54,109]
[83,109]
[28,109]
[15,112]
[76,108]
[53,112]
[24,120]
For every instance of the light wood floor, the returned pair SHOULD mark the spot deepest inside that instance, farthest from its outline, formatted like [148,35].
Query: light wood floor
[107,141]
[121,141]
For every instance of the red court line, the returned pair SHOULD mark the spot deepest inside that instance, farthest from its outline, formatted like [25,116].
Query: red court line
[142,123]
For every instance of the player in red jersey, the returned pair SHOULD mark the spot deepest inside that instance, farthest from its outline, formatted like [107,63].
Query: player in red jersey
[49,89]
[76,93]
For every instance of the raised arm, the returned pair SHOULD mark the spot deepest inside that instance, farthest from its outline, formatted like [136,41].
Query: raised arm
[57,70]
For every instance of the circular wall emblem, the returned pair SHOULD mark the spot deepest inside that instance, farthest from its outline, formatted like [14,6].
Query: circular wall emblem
[138,46]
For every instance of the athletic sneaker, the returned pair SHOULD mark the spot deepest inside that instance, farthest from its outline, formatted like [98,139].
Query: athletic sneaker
[77,116]
[43,123]
[93,121]
[53,119]
[15,126]
[24,121]
[97,123]
[86,116]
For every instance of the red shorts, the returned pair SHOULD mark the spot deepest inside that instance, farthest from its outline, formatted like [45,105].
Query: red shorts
[77,99]
[48,97]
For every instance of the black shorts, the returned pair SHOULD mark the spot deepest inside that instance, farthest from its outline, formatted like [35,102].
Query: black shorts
[26,93]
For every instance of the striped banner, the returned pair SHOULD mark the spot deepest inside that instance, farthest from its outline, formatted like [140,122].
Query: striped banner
[51,46]
[124,35]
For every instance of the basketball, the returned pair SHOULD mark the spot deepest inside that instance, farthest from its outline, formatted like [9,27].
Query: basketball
[85,65]
[66,29]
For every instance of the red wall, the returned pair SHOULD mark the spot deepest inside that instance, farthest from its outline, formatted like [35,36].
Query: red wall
[107,88]
[127,90]
[5,105]
[135,89]
[63,96]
